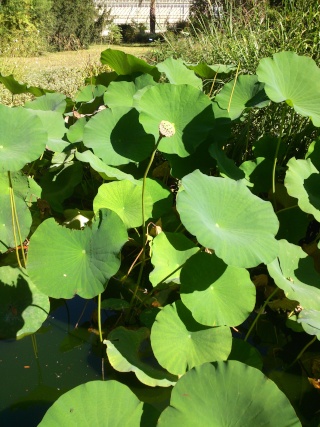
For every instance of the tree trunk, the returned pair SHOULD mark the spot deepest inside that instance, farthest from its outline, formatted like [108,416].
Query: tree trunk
[152,16]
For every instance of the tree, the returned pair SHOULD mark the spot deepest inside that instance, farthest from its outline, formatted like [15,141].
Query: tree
[152,15]
[74,24]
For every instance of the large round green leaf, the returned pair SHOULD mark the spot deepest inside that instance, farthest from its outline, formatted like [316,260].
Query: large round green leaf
[64,262]
[188,108]
[125,64]
[22,138]
[227,394]
[96,403]
[130,351]
[177,73]
[294,79]
[107,134]
[124,198]
[283,270]
[120,94]
[225,216]
[23,308]
[169,252]
[54,124]
[180,343]
[215,293]
[299,171]
[246,93]
[49,102]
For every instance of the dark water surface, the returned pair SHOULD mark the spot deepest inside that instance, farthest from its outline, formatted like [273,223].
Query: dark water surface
[66,358]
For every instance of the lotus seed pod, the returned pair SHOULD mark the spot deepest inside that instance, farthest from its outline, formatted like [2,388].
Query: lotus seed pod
[166,128]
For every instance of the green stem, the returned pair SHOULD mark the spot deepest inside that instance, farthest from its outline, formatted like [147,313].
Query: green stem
[259,314]
[144,236]
[283,117]
[34,345]
[99,317]
[302,351]
[15,225]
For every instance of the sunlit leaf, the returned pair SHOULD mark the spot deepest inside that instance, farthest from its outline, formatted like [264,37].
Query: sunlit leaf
[180,343]
[211,289]
[107,134]
[225,216]
[177,73]
[169,252]
[299,171]
[225,394]
[246,93]
[22,138]
[123,408]
[294,79]
[187,108]
[283,271]
[64,262]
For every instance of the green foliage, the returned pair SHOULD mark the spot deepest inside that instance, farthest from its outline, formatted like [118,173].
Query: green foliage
[136,192]
[73,24]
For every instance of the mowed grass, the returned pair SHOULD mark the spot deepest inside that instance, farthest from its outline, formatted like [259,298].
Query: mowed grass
[62,71]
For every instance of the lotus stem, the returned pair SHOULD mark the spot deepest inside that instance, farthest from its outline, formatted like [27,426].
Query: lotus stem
[99,317]
[259,314]
[283,117]
[302,351]
[15,225]
[144,237]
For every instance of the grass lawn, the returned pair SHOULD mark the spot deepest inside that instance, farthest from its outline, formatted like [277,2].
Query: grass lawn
[62,71]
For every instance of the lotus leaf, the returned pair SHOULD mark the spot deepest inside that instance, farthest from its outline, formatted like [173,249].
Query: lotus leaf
[294,79]
[180,343]
[246,93]
[107,403]
[226,394]
[169,252]
[23,308]
[283,271]
[22,139]
[130,351]
[64,262]
[188,108]
[299,171]
[177,73]
[225,216]
[210,289]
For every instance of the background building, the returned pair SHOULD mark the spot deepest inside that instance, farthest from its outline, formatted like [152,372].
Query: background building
[166,11]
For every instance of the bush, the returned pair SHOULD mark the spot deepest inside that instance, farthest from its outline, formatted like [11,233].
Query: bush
[245,33]
[74,24]
[24,27]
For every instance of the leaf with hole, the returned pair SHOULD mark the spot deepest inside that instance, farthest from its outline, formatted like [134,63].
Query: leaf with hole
[64,262]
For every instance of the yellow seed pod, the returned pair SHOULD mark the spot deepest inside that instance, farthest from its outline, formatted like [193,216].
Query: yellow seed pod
[166,128]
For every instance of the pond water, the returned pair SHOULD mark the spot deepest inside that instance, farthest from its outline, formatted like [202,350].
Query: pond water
[67,357]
